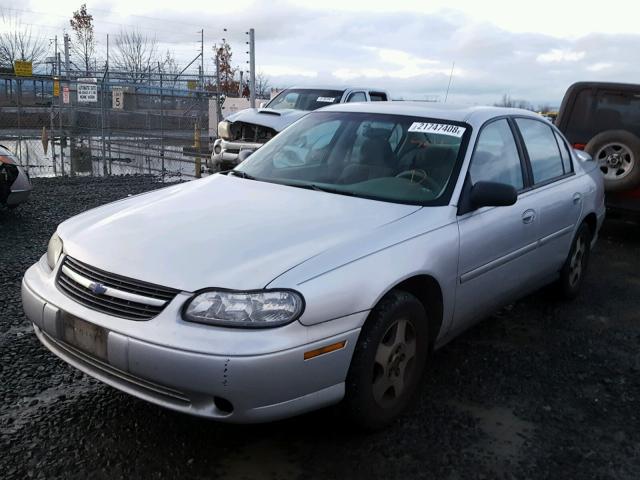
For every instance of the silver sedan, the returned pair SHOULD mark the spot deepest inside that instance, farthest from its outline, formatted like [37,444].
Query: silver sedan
[325,267]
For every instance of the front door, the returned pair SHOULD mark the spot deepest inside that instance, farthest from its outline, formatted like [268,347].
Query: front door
[497,244]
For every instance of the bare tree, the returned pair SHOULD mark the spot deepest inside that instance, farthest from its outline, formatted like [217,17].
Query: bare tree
[135,55]
[18,43]
[168,64]
[509,102]
[85,45]
[263,86]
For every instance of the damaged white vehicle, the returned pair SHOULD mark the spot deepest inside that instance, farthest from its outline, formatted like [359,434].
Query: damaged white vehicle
[249,129]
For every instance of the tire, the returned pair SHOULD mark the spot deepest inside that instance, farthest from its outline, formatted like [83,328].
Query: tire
[575,267]
[384,375]
[618,155]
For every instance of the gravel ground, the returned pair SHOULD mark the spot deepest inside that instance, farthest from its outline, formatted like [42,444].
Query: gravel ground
[542,389]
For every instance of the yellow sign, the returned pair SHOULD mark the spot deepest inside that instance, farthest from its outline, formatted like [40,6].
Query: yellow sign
[192,84]
[22,68]
[56,87]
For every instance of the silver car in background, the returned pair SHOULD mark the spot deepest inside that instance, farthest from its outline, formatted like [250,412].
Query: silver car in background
[324,268]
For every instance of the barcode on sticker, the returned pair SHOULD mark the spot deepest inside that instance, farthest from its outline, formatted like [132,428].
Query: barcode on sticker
[441,128]
[326,99]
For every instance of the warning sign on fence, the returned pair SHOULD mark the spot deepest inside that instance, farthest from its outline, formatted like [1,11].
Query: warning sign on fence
[65,94]
[87,90]
[56,87]
[23,68]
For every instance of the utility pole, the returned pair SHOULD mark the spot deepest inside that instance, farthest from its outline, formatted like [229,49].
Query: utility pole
[202,59]
[66,56]
[67,72]
[252,68]
[60,101]
[240,87]
[218,105]
[53,142]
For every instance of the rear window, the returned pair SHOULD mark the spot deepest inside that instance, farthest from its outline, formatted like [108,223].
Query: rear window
[597,110]
[541,145]
[305,99]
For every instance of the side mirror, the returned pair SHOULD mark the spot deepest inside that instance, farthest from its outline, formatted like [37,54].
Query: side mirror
[243,155]
[262,104]
[582,155]
[492,194]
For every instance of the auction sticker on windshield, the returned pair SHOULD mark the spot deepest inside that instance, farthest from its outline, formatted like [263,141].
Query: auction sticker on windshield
[326,99]
[441,128]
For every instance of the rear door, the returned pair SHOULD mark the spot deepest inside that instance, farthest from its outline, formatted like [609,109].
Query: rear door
[497,244]
[556,192]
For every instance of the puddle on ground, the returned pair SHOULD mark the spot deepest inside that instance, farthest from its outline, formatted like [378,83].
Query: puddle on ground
[262,460]
[506,433]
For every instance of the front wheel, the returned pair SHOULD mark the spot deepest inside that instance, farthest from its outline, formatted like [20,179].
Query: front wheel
[575,267]
[388,361]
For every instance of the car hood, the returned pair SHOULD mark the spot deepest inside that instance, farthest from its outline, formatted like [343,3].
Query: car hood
[266,117]
[220,231]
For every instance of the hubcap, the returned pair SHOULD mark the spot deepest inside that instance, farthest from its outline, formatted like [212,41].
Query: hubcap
[394,360]
[615,161]
[575,264]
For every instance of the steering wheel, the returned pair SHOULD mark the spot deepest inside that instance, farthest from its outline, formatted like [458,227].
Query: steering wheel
[419,176]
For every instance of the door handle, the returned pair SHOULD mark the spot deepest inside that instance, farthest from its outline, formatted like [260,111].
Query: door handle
[528,216]
[576,198]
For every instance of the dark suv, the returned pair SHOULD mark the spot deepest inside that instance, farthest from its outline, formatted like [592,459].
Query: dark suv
[604,120]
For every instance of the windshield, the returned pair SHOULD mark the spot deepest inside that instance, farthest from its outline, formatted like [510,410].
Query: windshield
[304,99]
[384,157]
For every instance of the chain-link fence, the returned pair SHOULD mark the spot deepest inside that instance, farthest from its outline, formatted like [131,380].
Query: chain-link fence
[107,123]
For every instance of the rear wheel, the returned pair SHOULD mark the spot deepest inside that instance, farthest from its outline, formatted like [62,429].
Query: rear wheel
[618,155]
[388,361]
[575,267]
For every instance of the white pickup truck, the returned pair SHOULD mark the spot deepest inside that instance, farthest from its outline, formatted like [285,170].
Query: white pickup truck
[249,129]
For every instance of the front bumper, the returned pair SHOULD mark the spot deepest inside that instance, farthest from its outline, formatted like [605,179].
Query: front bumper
[226,152]
[271,383]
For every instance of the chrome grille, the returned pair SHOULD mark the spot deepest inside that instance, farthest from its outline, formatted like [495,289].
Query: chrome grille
[112,294]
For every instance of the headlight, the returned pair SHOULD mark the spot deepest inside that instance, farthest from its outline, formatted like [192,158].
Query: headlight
[224,130]
[54,250]
[253,309]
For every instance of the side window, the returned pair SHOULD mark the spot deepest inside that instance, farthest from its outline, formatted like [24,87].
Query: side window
[495,158]
[564,153]
[618,110]
[357,97]
[546,162]
[579,127]
[378,96]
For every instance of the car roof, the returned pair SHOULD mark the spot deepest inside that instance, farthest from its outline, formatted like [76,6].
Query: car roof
[475,115]
[334,87]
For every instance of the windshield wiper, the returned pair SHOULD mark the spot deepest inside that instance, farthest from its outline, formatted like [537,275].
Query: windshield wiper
[318,188]
[239,173]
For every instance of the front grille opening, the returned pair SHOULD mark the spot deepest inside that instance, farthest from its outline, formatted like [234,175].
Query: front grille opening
[150,299]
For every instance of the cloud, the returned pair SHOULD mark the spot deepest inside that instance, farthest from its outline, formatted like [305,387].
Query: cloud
[407,48]
[556,55]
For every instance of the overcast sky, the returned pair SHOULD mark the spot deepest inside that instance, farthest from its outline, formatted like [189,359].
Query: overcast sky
[530,50]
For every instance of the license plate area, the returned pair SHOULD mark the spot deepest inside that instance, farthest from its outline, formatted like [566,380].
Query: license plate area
[85,336]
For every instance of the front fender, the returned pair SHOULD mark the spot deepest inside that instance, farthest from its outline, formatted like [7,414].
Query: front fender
[358,284]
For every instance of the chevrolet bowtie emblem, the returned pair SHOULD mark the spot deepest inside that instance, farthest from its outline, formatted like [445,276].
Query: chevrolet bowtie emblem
[97,288]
